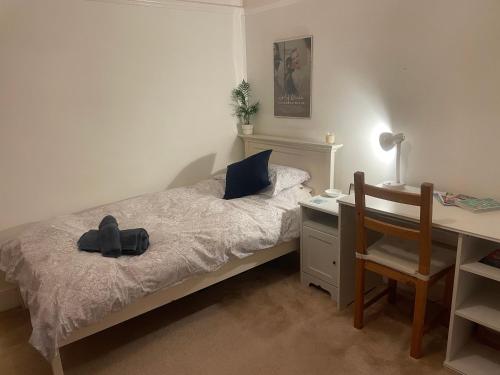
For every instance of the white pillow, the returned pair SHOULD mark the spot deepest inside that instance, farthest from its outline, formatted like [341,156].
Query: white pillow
[282,178]
[220,176]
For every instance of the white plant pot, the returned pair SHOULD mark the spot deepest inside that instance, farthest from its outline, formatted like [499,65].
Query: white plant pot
[247,129]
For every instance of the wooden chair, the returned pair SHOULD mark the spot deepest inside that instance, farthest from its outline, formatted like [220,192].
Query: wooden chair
[402,255]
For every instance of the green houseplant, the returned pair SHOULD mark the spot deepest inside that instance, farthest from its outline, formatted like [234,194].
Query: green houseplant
[243,110]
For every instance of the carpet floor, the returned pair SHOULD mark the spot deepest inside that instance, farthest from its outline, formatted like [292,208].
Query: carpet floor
[260,322]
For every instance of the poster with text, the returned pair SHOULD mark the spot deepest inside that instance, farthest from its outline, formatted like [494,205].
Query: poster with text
[292,77]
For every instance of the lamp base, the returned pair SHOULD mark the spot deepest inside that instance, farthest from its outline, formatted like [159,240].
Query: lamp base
[394,185]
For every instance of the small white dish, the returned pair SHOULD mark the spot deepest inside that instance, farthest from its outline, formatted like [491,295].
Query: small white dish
[333,193]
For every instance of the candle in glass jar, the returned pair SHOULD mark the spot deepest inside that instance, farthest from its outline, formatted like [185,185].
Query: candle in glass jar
[330,138]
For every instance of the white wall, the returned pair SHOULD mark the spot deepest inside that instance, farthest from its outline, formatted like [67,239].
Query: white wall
[250,4]
[101,101]
[428,68]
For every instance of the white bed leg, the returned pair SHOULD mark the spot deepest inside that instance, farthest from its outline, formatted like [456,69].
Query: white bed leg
[56,364]
[23,304]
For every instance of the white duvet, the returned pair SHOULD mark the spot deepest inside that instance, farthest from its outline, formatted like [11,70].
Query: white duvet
[192,231]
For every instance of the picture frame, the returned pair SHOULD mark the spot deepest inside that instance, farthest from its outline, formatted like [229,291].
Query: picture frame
[292,65]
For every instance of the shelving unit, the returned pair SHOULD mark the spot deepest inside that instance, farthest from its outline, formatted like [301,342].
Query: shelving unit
[475,358]
[476,301]
[482,308]
[482,269]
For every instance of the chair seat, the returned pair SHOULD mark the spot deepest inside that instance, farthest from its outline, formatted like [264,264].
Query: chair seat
[403,255]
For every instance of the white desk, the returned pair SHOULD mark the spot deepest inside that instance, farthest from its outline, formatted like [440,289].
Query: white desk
[476,294]
[482,225]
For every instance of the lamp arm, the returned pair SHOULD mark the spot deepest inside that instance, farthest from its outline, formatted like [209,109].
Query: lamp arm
[398,163]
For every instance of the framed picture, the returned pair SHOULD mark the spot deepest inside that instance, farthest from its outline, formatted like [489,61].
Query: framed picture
[292,61]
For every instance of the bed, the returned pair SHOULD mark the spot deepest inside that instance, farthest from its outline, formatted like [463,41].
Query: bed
[198,239]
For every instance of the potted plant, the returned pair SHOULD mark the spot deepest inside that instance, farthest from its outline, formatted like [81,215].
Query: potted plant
[243,110]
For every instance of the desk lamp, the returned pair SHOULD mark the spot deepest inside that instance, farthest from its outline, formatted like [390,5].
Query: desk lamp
[387,142]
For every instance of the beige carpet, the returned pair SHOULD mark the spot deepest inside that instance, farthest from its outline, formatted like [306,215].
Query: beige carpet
[260,322]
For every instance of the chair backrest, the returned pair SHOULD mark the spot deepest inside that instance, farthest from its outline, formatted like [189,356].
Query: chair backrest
[422,234]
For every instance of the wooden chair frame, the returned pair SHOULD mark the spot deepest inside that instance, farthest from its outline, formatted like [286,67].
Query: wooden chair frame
[423,235]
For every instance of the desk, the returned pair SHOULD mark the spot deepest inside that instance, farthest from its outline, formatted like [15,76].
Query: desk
[484,225]
[476,294]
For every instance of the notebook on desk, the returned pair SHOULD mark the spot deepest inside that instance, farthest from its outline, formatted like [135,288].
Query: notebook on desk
[479,205]
[467,202]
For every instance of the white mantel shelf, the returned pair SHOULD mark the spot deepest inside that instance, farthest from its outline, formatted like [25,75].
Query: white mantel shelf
[292,141]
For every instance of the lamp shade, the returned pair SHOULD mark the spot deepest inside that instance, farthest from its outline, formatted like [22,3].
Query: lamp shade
[389,140]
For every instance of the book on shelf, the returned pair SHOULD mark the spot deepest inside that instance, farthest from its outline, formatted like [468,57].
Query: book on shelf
[492,259]
[467,202]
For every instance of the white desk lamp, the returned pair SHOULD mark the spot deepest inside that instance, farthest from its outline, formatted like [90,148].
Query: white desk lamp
[387,142]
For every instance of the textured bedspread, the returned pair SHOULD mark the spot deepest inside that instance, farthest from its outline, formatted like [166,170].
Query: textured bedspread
[192,231]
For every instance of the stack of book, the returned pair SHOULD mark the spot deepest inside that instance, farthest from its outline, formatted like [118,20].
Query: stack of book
[492,259]
[467,202]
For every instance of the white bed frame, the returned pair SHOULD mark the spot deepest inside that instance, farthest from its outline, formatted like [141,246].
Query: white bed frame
[314,157]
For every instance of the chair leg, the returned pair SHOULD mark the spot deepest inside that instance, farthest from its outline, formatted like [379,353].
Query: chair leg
[393,286]
[419,318]
[359,297]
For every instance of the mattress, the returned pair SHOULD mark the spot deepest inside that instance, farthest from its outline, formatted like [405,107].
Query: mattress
[192,231]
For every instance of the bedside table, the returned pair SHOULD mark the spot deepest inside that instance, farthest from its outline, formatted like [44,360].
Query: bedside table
[319,243]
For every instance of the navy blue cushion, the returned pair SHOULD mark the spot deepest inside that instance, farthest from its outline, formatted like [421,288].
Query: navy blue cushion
[248,176]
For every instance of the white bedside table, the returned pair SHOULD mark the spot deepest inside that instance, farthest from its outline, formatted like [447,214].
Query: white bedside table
[319,243]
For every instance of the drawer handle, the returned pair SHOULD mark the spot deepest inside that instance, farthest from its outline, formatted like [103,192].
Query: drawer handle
[334,262]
